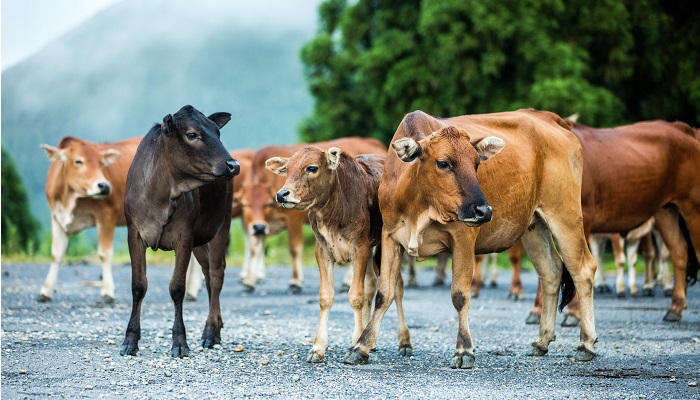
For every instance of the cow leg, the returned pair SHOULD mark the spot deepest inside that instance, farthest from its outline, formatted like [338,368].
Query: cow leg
[479,261]
[59,244]
[649,257]
[356,294]
[515,255]
[664,256]
[217,266]
[631,250]
[535,315]
[411,262]
[667,224]
[463,265]
[388,280]
[296,246]
[326,296]
[371,274]
[139,286]
[440,268]
[194,280]
[105,250]
[183,253]
[493,276]
[405,347]
[597,246]
[257,262]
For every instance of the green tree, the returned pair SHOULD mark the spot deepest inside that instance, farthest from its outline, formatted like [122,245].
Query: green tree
[613,61]
[20,230]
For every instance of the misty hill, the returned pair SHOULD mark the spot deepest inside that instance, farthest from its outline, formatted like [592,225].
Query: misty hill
[133,63]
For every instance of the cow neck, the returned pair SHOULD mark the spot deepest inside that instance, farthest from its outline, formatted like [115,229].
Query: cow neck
[64,203]
[343,201]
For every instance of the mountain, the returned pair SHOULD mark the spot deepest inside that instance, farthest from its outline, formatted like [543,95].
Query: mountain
[123,70]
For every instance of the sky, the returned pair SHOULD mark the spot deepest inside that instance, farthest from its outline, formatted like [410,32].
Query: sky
[29,25]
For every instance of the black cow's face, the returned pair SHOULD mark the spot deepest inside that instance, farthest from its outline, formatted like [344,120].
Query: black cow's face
[449,161]
[194,145]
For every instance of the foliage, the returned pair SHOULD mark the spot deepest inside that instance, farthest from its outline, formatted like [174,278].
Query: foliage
[20,230]
[613,61]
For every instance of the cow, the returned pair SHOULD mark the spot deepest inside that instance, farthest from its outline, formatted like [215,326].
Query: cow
[262,217]
[178,197]
[194,271]
[85,188]
[655,176]
[476,184]
[340,194]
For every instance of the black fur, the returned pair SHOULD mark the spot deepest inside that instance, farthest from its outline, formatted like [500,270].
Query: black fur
[567,289]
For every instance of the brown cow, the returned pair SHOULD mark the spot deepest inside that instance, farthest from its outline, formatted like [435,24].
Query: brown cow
[432,200]
[85,188]
[178,197]
[635,172]
[262,216]
[340,193]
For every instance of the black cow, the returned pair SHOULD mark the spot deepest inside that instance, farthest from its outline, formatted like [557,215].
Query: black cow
[178,197]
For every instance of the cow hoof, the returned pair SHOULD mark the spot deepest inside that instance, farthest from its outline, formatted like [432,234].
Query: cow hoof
[583,354]
[537,351]
[179,352]
[438,282]
[515,296]
[603,289]
[209,343]
[668,292]
[106,299]
[533,319]
[406,350]
[634,294]
[475,295]
[294,289]
[570,321]
[43,299]
[128,350]
[248,288]
[412,284]
[493,284]
[345,288]
[315,357]
[189,297]
[621,295]
[356,357]
[672,316]
[648,292]
[462,360]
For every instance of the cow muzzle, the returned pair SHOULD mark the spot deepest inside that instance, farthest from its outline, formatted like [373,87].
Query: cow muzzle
[260,230]
[100,189]
[478,215]
[285,200]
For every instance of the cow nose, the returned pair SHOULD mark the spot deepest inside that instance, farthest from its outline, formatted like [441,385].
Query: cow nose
[104,188]
[233,167]
[259,229]
[483,212]
[282,196]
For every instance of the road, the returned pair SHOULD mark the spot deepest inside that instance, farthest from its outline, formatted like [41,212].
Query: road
[70,348]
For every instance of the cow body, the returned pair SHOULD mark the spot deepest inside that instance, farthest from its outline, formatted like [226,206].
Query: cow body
[85,187]
[340,193]
[432,202]
[178,197]
[262,217]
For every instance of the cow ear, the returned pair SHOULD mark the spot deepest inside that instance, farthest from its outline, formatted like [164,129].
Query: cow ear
[489,147]
[109,156]
[54,153]
[168,125]
[220,118]
[277,165]
[334,158]
[407,149]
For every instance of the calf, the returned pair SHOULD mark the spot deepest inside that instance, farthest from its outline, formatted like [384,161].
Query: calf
[445,179]
[340,193]
[85,187]
[178,197]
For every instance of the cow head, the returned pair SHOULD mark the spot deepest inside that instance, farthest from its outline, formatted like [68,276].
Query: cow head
[309,174]
[82,163]
[193,145]
[257,200]
[448,161]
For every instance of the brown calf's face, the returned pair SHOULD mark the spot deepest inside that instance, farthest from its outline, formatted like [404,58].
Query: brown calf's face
[449,161]
[194,146]
[309,172]
[257,201]
[82,164]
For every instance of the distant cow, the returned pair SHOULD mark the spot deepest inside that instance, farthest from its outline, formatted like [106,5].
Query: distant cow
[178,197]
[262,216]
[340,193]
[85,188]
[445,179]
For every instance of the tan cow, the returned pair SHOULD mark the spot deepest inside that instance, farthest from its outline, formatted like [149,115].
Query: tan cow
[528,185]
[85,188]
[262,216]
[340,194]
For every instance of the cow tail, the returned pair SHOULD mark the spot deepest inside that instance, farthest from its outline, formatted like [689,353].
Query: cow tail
[693,265]
[567,289]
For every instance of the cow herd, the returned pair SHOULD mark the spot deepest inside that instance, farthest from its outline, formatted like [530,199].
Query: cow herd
[465,186]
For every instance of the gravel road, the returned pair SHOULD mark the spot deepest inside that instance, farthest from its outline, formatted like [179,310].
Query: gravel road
[70,348]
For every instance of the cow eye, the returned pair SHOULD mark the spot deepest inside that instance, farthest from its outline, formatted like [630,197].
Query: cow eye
[442,164]
[78,162]
[312,169]
[191,135]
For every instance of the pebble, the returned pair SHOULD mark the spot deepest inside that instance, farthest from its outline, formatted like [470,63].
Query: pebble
[434,329]
[696,340]
[22,372]
[239,348]
[265,362]
[168,373]
[88,387]
[267,312]
[693,384]
[673,379]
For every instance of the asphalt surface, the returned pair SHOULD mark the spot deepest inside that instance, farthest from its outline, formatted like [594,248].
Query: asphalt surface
[70,348]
